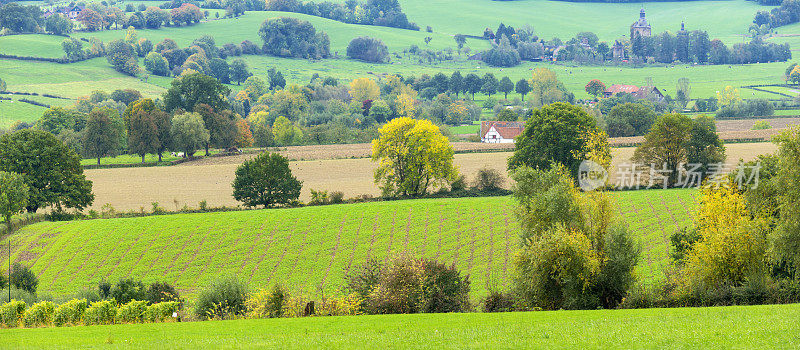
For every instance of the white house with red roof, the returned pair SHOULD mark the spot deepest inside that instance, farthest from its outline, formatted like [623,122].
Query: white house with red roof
[500,132]
[644,92]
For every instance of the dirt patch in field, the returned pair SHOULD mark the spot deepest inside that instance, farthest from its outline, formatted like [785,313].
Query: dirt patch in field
[351,151]
[132,188]
[210,180]
[747,124]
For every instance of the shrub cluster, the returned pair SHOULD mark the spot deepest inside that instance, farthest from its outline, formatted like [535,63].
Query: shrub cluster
[70,313]
[368,49]
[81,312]
[223,299]
[746,109]
[409,286]
[574,254]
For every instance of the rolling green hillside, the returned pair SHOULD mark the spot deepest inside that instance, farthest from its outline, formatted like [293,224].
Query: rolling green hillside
[752,327]
[236,30]
[725,20]
[34,45]
[308,249]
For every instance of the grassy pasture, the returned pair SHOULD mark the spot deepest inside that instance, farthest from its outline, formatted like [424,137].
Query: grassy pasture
[754,327]
[34,45]
[308,249]
[236,30]
[80,79]
[549,18]
[725,20]
[73,80]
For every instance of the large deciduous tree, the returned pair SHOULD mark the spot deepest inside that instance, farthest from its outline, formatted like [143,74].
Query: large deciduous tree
[629,119]
[239,71]
[146,132]
[156,64]
[574,254]
[595,87]
[267,181]
[786,238]
[412,157]
[505,86]
[191,89]
[58,24]
[221,126]
[368,49]
[291,37]
[472,84]
[675,139]
[362,89]
[188,133]
[13,197]
[54,175]
[560,133]
[20,18]
[122,55]
[522,88]
[101,137]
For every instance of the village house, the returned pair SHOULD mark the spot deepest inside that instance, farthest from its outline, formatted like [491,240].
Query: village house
[500,132]
[651,93]
[72,12]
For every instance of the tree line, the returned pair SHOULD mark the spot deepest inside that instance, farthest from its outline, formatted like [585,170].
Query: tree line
[512,45]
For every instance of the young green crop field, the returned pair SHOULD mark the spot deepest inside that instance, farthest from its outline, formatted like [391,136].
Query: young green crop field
[753,327]
[309,249]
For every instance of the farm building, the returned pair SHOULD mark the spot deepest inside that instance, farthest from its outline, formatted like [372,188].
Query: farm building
[72,12]
[651,93]
[500,132]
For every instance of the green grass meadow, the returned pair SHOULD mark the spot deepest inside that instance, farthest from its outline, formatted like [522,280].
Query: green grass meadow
[548,18]
[733,327]
[726,20]
[236,30]
[309,249]
[33,45]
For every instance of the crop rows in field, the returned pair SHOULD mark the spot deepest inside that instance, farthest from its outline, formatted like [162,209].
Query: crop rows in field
[309,249]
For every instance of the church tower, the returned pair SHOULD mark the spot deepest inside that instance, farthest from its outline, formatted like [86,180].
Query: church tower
[641,26]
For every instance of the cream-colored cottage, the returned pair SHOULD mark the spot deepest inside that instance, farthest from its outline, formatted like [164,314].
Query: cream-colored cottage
[500,132]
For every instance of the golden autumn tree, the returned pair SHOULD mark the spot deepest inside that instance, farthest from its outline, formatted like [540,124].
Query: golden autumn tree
[729,96]
[405,105]
[413,156]
[362,89]
[732,243]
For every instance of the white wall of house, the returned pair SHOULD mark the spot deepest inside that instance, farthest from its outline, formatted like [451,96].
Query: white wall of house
[492,136]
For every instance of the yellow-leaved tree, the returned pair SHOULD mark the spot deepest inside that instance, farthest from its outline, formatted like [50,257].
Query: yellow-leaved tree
[405,105]
[413,156]
[729,96]
[732,243]
[285,133]
[362,89]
